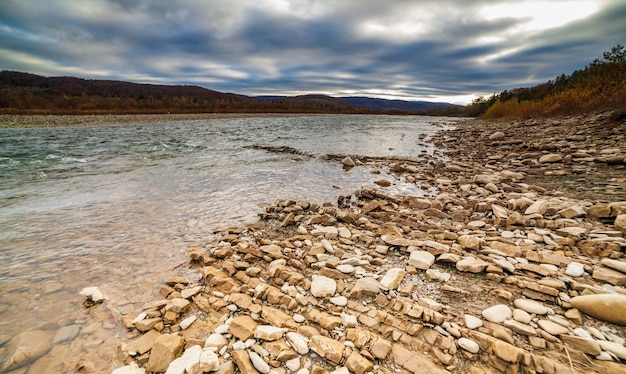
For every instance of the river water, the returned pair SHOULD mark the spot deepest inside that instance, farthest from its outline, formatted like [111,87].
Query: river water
[117,206]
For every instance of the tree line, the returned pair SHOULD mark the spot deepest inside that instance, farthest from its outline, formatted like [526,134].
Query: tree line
[601,85]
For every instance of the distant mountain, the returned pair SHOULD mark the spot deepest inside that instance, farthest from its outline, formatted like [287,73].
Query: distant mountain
[409,106]
[28,93]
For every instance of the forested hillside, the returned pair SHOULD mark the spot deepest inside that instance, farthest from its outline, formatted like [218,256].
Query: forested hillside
[26,93]
[601,85]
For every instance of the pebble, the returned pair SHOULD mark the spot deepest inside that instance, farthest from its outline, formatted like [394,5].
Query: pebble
[530,306]
[322,286]
[575,269]
[469,345]
[472,322]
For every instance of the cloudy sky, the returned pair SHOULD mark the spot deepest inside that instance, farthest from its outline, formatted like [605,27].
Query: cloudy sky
[443,50]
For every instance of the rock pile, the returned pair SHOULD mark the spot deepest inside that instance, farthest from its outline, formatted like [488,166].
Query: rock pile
[494,274]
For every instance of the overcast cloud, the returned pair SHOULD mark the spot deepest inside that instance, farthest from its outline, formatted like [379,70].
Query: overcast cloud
[450,50]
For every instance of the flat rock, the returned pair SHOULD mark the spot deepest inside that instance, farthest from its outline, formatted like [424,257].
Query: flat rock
[142,344]
[299,343]
[422,260]
[322,286]
[129,369]
[609,275]
[497,313]
[538,207]
[365,287]
[436,275]
[605,307]
[216,341]
[470,242]
[186,362]
[471,265]
[66,334]
[242,360]
[531,306]
[520,328]
[614,264]
[589,346]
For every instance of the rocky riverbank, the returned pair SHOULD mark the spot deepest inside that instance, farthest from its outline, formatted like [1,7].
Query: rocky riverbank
[508,268]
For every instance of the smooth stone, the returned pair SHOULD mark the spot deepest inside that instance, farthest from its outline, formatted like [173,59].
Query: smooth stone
[496,136]
[530,306]
[216,340]
[299,318]
[550,158]
[322,286]
[184,324]
[258,362]
[497,313]
[469,345]
[620,223]
[521,316]
[472,322]
[339,300]
[552,328]
[345,268]
[575,269]
[617,349]
[605,307]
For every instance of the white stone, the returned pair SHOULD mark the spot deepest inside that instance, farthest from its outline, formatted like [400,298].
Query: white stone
[258,362]
[422,260]
[209,361]
[344,232]
[521,316]
[392,279]
[472,322]
[575,269]
[293,364]
[322,286]
[617,349]
[298,342]
[436,275]
[469,345]
[497,313]
[349,320]
[216,341]
[268,332]
[327,246]
[531,306]
[298,318]
[140,317]
[341,370]
[187,322]
[345,268]
[93,293]
[339,300]
[186,362]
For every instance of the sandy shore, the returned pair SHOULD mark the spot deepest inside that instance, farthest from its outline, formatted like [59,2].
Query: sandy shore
[516,265]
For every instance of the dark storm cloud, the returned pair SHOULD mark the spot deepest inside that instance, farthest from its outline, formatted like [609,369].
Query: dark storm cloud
[411,49]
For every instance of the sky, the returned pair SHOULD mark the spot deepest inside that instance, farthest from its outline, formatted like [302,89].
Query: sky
[443,50]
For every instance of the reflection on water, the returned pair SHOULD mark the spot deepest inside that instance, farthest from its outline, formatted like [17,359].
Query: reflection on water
[117,206]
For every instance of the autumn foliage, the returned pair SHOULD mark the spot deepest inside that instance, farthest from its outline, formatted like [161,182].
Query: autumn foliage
[601,85]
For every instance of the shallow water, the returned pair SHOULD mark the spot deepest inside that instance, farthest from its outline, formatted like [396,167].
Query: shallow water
[116,207]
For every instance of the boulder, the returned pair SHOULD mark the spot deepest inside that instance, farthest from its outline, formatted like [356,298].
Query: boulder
[605,307]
